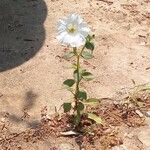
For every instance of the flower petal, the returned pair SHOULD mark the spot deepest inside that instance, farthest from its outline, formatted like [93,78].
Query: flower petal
[76,38]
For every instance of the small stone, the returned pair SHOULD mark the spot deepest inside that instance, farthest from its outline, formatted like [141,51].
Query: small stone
[69,133]
[142,43]
[65,146]
[3,119]
[120,147]
[148,113]
[130,135]
[139,113]
[144,136]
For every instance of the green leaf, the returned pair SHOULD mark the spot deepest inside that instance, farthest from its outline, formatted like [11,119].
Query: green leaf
[87,55]
[67,107]
[69,55]
[80,106]
[74,66]
[89,45]
[69,82]
[95,118]
[87,76]
[69,89]
[77,118]
[86,73]
[91,101]
[90,37]
[82,95]
[145,89]
[75,75]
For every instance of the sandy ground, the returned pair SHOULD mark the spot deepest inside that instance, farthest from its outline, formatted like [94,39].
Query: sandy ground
[31,67]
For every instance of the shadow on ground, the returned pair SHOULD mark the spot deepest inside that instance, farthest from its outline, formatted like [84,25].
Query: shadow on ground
[29,102]
[21,31]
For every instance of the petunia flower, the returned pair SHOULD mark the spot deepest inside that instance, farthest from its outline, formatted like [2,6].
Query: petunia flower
[72,31]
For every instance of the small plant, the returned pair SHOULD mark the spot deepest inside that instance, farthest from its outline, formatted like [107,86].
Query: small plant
[74,32]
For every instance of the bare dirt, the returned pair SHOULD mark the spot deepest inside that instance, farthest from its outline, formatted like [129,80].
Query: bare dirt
[32,68]
[123,123]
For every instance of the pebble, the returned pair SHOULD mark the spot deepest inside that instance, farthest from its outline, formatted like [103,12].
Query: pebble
[65,146]
[139,113]
[3,119]
[148,113]
[120,147]
[144,136]
[130,135]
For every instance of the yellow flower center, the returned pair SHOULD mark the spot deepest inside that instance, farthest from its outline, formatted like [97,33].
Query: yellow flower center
[71,28]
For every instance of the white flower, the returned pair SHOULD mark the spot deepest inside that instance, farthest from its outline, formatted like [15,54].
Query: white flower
[72,31]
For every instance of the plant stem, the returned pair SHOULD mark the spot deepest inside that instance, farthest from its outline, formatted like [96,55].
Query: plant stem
[82,50]
[78,117]
[78,72]
[78,76]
